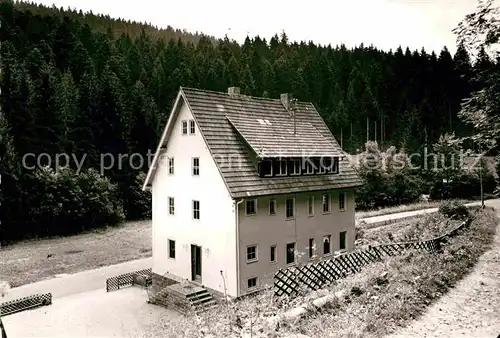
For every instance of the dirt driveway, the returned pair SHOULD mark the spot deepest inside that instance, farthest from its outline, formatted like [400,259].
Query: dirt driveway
[472,308]
[122,313]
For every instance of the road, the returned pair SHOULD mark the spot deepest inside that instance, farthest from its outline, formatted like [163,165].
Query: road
[472,307]
[67,285]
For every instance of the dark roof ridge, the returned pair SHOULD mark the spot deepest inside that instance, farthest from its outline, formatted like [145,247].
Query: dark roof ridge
[260,98]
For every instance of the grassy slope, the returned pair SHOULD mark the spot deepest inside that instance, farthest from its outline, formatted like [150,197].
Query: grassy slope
[389,294]
[27,262]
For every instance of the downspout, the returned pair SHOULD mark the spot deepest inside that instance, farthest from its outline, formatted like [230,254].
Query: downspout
[236,208]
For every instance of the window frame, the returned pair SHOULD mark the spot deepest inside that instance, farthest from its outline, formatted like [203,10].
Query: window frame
[254,200]
[293,208]
[311,248]
[329,204]
[273,249]
[296,167]
[282,165]
[345,240]
[310,205]
[184,123]
[171,165]
[252,260]
[327,238]
[171,206]
[196,209]
[192,127]
[293,255]
[273,202]
[308,165]
[343,208]
[195,169]
[256,286]
[171,249]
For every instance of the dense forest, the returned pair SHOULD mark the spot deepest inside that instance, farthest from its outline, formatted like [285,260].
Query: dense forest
[87,85]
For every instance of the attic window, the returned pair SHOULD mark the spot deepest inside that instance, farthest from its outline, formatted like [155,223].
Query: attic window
[282,168]
[295,167]
[265,168]
[261,121]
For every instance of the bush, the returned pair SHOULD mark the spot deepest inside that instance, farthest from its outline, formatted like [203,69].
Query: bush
[66,202]
[454,209]
[137,203]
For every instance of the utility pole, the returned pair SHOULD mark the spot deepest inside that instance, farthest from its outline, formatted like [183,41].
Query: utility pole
[367,129]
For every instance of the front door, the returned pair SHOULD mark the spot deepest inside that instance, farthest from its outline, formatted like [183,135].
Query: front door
[196,263]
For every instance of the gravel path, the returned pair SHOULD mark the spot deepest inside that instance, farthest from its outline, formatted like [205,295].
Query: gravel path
[471,309]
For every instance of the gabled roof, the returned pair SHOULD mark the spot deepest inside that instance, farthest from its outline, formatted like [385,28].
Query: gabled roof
[236,127]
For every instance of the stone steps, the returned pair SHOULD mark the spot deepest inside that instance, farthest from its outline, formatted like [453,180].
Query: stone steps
[184,300]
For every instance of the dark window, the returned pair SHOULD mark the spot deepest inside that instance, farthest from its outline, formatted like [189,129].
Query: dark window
[184,127]
[171,248]
[252,283]
[343,235]
[251,207]
[290,253]
[196,166]
[311,247]
[326,203]
[281,168]
[251,253]
[273,253]
[196,209]
[171,165]
[335,166]
[290,208]
[192,128]
[308,167]
[272,207]
[171,206]
[326,245]
[342,201]
[265,168]
[295,167]
[326,165]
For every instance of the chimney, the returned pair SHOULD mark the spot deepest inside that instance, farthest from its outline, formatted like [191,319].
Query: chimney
[289,102]
[233,91]
[286,100]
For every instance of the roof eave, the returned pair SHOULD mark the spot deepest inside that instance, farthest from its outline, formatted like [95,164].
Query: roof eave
[164,137]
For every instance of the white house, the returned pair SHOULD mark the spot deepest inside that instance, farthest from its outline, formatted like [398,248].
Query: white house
[243,186]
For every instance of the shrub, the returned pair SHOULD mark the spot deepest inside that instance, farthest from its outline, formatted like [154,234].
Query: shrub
[454,209]
[64,202]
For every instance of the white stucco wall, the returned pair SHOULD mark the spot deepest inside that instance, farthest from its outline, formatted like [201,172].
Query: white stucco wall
[214,231]
[266,231]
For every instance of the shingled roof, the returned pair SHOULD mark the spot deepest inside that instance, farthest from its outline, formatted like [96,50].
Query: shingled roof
[242,127]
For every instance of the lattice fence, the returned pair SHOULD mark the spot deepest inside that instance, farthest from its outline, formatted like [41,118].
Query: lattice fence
[26,303]
[141,277]
[315,276]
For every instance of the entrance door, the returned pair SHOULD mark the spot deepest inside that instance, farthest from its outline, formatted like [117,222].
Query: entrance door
[196,263]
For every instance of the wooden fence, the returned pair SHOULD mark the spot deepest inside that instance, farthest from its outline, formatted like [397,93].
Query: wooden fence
[315,276]
[141,277]
[26,303]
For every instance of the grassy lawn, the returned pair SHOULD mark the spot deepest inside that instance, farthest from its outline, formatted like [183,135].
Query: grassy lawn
[379,299]
[27,262]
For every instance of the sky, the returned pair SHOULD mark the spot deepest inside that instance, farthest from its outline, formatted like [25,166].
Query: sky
[384,23]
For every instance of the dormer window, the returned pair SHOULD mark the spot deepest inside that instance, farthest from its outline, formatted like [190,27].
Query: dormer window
[325,165]
[265,168]
[281,168]
[309,167]
[295,167]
